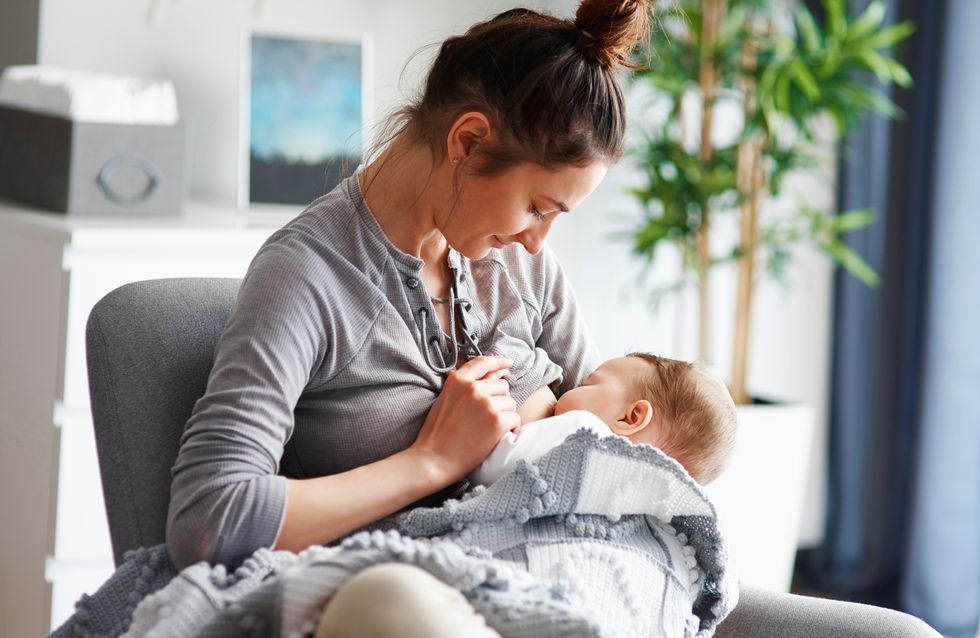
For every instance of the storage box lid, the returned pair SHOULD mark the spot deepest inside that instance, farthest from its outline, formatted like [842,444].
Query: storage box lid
[85,96]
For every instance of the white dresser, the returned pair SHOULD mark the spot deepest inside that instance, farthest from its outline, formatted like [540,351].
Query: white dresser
[54,539]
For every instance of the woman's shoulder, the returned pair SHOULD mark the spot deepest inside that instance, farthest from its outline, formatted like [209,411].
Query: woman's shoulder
[317,263]
[329,243]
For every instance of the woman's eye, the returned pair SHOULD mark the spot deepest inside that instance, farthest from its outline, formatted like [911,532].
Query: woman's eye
[538,215]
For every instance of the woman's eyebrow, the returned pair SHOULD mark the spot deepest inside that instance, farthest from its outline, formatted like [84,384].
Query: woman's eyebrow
[559,205]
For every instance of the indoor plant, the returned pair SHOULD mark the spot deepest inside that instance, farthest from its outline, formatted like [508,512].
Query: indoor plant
[777,77]
[737,52]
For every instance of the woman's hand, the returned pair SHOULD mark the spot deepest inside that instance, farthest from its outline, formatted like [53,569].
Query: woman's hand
[469,417]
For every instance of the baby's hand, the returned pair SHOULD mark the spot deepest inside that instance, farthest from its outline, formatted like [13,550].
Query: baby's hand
[539,405]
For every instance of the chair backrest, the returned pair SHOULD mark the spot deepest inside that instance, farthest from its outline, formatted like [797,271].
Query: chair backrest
[150,349]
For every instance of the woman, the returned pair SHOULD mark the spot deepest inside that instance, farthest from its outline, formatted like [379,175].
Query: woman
[331,372]
[385,340]
[330,368]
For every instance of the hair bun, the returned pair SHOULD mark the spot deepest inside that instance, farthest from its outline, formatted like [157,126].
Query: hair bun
[609,29]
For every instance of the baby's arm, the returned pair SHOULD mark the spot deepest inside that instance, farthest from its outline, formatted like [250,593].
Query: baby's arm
[539,405]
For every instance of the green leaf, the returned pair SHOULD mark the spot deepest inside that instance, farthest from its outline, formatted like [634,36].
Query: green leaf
[782,88]
[877,63]
[776,262]
[852,262]
[851,220]
[899,73]
[671,85]
[808,29]
[804,79]
[852,98]
[890,36]
[867,22]
[837,115]
[642,194]
[836,22]
[645,239]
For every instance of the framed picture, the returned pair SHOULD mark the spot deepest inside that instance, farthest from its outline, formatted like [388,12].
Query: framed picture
[305,107]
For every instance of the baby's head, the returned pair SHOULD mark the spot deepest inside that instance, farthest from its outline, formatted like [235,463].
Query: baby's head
[680,407]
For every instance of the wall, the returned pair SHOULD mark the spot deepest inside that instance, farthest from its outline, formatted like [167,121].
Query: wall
[196,44]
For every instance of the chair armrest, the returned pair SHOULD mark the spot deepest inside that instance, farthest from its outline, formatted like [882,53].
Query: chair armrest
[766,614]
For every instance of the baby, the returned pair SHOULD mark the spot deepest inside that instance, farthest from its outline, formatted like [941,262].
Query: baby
[680,407]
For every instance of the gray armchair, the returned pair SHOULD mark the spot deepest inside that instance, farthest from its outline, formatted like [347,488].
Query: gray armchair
[150,350]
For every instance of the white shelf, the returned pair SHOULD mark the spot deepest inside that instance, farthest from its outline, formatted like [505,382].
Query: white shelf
[207,219]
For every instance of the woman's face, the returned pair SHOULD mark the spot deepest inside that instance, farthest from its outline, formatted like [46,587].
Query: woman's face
[518,205]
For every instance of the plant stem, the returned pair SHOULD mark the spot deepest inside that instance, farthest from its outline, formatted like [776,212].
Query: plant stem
[745,290]
[711,19]
[748,165]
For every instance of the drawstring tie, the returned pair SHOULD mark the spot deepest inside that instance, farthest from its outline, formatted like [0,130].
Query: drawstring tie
[472,349]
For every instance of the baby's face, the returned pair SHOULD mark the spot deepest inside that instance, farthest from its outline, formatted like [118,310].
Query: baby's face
[608,392]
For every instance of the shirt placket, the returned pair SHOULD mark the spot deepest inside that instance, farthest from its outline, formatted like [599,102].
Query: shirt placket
[423,312]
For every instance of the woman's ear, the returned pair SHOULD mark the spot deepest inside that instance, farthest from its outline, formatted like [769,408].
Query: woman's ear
[637,417]
[470,129]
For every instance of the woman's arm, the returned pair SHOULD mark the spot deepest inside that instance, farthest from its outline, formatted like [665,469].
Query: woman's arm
[321,510]
[564,333]
[471,414]
[226,497]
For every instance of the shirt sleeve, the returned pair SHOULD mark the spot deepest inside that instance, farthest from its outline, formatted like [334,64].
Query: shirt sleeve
[226,498]
[564,334]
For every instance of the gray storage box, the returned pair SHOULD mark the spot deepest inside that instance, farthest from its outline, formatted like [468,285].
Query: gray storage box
[89,168]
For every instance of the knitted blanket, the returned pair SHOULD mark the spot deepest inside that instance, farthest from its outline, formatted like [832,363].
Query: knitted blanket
[596,538]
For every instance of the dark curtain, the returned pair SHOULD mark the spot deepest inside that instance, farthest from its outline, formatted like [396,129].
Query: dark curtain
[880,525]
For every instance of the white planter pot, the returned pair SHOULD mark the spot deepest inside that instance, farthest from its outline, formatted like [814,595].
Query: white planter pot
[760,495]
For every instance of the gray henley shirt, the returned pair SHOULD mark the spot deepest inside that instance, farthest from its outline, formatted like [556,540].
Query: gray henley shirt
[321,369]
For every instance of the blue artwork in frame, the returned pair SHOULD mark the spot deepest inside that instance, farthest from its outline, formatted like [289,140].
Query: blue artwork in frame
[304,115]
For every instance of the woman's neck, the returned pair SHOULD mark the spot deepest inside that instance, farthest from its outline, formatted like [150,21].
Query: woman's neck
[403,189]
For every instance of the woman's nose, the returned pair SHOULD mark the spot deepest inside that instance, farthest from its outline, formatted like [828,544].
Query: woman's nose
[533,238]
[531,241]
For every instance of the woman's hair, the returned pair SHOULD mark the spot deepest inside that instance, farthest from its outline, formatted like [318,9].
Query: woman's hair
[695,411]
[547,85]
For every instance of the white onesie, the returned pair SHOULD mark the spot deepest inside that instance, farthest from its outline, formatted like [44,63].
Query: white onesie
[533,440]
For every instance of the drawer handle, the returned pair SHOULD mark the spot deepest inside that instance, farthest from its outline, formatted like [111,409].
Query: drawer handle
[120,161]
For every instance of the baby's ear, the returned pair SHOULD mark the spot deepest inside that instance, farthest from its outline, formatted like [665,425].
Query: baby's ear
[637,417]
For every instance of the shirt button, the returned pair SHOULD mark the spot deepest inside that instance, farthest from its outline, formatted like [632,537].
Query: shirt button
[412,282]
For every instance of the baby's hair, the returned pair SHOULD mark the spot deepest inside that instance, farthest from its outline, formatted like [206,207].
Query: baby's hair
[695,411]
